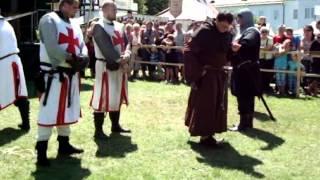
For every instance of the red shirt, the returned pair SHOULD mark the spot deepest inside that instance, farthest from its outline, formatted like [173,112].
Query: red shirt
[279,39]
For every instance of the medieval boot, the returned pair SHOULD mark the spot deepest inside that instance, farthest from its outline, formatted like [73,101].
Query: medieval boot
[249,120]
[41,148]
[24,109]
[242,125]
[65,148]
[98,124]
[116,128]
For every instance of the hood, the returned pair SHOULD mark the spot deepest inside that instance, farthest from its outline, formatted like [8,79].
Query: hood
[247,19]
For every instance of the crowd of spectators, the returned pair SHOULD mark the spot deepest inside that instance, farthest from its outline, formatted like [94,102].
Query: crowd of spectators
[276,53]
[289,52]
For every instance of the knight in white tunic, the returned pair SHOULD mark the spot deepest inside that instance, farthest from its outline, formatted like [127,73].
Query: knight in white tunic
[111,85]
[13,88]
[62,55]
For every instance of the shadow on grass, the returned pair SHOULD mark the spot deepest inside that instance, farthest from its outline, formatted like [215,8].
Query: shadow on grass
[262,116]
[116,146]
[62,168]
[272,140]
[9,134]
[287,96]
[227,158]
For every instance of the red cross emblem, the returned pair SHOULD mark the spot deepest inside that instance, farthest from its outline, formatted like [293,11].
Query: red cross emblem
[117,39]
[70,40]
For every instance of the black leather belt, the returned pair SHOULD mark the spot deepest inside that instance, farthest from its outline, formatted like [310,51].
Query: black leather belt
[8,55]
[60,70]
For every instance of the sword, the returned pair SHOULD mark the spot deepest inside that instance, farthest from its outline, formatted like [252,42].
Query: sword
[47,91]
[267,108]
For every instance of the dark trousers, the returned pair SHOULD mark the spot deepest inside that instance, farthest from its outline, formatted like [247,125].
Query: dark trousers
[245,104]
[114,115]
[146,57]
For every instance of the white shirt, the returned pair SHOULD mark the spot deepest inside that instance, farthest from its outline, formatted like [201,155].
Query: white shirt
[266,43]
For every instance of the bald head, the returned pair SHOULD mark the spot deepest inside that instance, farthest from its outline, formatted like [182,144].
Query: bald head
[109,9]
[108,3]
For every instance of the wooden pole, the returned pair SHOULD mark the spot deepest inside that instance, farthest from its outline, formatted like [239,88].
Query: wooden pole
[298,82]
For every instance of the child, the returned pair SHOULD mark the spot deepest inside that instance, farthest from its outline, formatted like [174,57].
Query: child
[170,57]
[281,63]
[155,56]
[294,64]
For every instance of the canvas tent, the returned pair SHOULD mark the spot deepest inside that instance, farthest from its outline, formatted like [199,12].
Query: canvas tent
[196,10]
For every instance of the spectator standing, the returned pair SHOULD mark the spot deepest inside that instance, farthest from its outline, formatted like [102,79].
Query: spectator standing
[315,66]
[266,59]
[281,36]
[147,38]
[281,63]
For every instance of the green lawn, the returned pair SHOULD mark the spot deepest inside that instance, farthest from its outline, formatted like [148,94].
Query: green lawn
[160,146]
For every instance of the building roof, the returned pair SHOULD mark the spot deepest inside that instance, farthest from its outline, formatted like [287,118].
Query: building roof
[235,3]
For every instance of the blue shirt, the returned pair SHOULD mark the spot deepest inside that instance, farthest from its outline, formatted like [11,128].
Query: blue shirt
[281,62]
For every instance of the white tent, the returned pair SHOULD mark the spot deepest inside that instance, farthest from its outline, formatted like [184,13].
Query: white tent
[197,10]
[168,15]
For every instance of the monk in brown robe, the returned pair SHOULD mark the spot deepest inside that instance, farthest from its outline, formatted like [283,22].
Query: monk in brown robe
[205,57]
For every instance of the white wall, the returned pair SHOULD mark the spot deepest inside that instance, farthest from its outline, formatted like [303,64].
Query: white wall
[303,5]
[262,10]
[290,21]
[290,5]
[126,4]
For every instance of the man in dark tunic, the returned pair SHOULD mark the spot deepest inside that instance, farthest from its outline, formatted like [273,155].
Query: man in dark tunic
[205,57]
[246,78]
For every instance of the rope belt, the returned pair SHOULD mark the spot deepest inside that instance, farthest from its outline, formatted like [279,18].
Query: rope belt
[225,84]
[243,63]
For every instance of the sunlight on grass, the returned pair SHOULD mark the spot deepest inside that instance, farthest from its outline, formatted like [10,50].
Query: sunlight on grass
[160,146]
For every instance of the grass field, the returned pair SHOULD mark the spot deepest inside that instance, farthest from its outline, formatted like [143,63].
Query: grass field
[160,146]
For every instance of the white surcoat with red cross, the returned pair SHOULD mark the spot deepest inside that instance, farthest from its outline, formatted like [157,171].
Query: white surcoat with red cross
[111,87]
[58,111]
[12,80]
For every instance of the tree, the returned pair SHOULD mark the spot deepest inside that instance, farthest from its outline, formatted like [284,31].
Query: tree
[142,9]
[156,6]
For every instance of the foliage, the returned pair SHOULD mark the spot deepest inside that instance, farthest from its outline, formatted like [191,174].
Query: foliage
[142,8]
[156,6]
